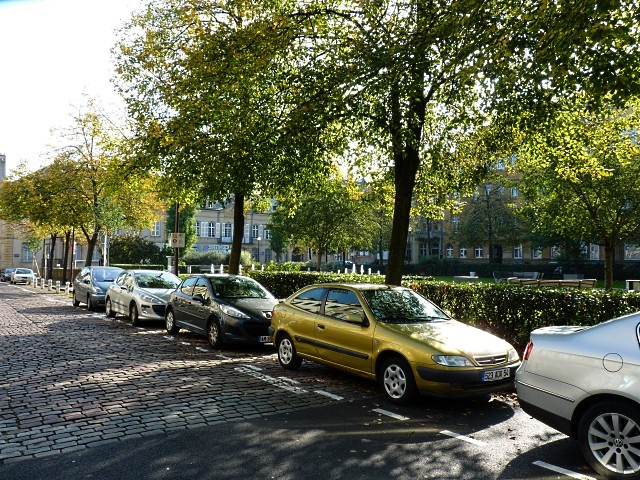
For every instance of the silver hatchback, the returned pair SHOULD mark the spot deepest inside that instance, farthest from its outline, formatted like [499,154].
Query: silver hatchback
[140,294]
[585,382]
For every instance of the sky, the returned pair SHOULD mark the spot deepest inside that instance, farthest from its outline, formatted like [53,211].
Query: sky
[53,53]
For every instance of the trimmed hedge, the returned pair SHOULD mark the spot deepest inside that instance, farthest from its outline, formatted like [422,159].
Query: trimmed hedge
[508,311]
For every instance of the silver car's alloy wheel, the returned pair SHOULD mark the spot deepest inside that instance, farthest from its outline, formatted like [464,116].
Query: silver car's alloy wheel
[614,441]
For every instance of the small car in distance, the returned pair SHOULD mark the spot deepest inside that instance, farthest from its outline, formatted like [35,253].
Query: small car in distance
[585,383]
[225,308]
[140,294]
[393,335]
[23,275]
[6,274]
[91,283]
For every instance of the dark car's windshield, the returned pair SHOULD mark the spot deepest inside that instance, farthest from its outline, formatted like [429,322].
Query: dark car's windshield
[235,287]
[157,280]
[402,306]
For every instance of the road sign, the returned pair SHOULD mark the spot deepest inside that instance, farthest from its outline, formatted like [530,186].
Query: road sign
[176,240]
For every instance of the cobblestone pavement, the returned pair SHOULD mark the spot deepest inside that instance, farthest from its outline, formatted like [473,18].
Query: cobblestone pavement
[72,379]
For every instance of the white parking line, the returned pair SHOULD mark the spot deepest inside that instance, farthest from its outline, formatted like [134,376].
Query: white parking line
[463,438]
[202,349]
[327,394]
[563,471]
[390,414]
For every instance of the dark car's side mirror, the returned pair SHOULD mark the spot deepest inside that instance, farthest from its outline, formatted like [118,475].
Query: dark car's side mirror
[198,297]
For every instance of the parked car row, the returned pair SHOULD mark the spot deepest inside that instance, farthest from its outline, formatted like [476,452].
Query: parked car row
[17,275]
[582,381]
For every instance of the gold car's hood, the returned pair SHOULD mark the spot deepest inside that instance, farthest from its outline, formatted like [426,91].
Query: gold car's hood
[451,337]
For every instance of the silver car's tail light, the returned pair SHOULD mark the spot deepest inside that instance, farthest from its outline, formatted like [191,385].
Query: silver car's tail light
[527,351]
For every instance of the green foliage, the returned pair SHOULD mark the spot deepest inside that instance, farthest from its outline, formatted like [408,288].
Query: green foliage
[130,248]
[580,176]
[213,257]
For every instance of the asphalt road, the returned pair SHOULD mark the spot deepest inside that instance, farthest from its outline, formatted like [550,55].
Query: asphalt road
[84,396]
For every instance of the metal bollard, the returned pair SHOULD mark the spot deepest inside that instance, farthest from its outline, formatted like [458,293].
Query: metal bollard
[57,286]
[67,288]
[43,281]
[50,285]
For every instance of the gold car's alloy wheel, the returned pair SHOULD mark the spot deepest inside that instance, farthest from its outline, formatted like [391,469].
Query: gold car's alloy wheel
[609,437]
[397,381]
[287,355]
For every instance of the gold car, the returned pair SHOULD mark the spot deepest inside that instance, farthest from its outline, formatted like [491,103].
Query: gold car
[394,335]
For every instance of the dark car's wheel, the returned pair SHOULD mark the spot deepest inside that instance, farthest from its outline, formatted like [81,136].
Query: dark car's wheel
[133,315]
[396,381]
[89,303]
[109,309]
[214,334]
[76,303]
[170,322]
[287,355]
[609,438]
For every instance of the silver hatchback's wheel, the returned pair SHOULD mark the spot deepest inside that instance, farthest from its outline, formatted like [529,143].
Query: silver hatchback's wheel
[396,381]
[109,309]
[287,355]
[609,438]
[133,315]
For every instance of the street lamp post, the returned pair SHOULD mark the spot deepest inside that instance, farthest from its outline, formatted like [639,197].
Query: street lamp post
[258,239]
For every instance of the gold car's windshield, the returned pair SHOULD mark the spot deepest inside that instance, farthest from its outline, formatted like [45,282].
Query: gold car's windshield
[402,306]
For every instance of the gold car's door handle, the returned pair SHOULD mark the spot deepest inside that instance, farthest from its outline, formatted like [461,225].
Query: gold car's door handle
[320,327]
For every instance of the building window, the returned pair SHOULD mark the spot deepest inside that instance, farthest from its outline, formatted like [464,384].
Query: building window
[449,251]
[536,253]
[197,229]
[463,251]
[478,252]
[514,192]
[27,254]
[455,221]
[255,231]
[594,251]
[555,251]
[517,251]
[155,230]
[500,165]
[211,230]
[423,249]
[267,234]
[226,230]
[631,251]
[408,254]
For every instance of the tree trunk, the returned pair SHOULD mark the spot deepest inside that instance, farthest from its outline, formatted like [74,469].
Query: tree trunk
[65,261]
[52,249]
[608,264]
[91,245]
[238,232]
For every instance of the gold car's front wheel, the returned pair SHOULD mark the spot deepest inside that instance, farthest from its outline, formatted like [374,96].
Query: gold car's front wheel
[287,355]
[396,381]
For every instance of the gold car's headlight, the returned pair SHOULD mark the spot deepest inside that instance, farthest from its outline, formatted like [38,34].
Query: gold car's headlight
[452,361]
[513,355]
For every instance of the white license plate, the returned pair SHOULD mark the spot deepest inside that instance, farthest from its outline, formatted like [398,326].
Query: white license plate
[264,339]
[497,374]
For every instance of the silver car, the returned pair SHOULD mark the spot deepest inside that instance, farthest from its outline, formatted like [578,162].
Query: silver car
[140,294]
[23,275]
[585,383]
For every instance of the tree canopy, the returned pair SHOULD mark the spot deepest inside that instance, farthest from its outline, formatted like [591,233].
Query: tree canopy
[580,176]
[243,96]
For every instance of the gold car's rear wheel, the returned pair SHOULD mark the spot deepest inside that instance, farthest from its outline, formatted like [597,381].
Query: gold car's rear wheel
[396,381]
[287,355]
